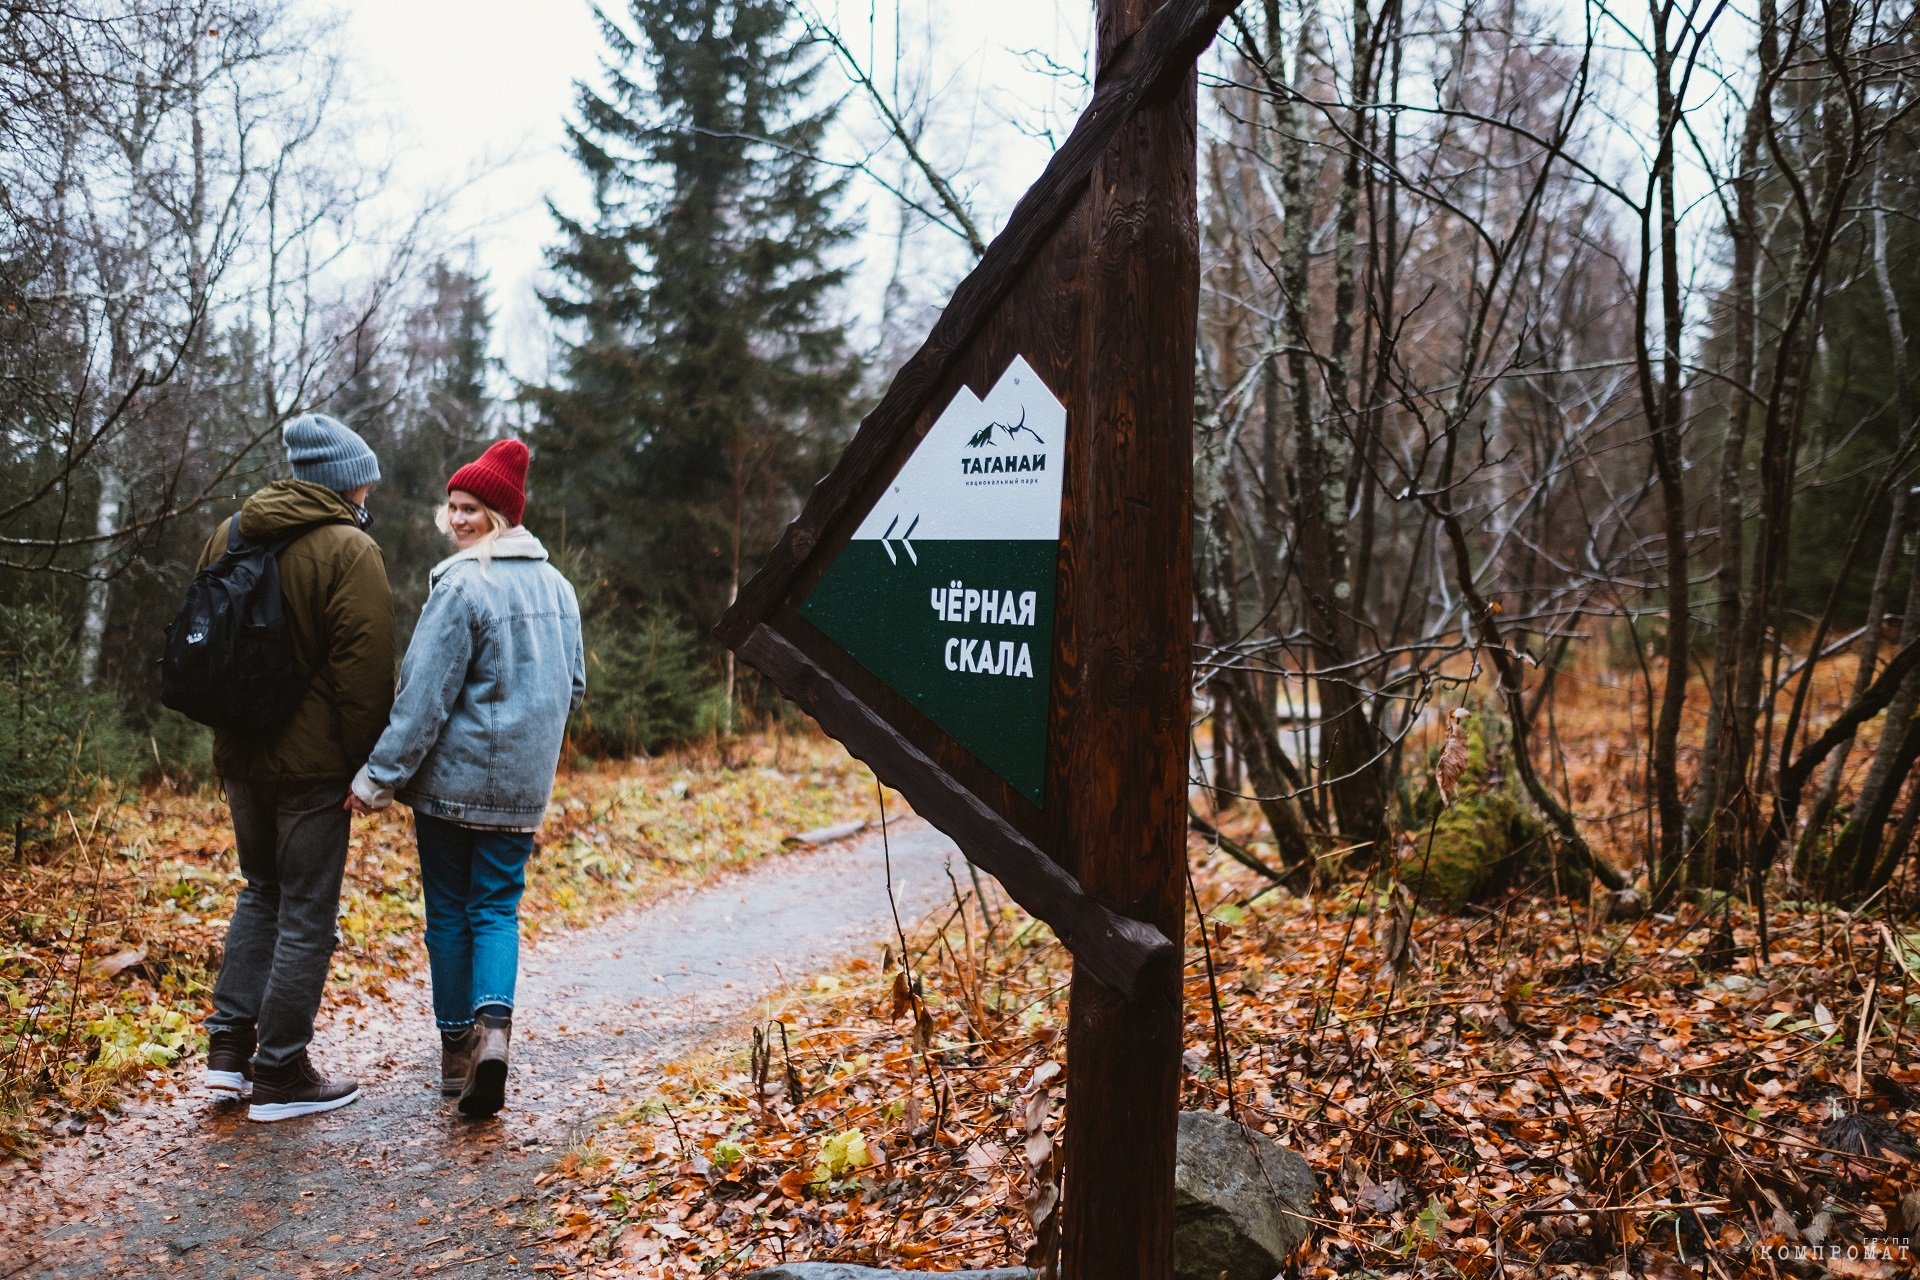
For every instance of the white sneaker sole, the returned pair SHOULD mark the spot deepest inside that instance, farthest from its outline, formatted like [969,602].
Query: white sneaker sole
[226,1084]
[268,1112]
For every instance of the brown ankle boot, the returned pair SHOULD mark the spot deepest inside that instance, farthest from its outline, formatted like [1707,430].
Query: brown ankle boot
[486,1089]
[456,1059]
[296,1089]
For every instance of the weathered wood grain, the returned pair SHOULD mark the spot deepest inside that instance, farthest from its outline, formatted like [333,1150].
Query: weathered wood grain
[1127,602]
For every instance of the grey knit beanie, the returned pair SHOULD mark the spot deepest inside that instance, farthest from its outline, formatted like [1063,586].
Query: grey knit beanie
[326,451]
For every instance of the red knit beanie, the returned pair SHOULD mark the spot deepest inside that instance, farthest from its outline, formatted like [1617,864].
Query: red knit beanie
[498,478]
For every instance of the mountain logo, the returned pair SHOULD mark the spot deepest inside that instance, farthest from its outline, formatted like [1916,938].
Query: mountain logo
[984,436]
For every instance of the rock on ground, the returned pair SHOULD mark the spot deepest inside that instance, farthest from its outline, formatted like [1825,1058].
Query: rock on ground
[1240,1201]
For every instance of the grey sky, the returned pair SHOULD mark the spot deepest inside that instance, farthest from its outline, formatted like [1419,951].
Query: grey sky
[468,98]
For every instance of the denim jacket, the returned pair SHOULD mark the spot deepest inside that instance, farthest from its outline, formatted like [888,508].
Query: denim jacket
[494,669]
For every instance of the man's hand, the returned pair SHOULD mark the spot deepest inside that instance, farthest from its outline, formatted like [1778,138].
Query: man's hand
[355,804]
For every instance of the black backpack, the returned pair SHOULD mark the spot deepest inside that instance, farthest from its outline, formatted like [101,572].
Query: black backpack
[229,658]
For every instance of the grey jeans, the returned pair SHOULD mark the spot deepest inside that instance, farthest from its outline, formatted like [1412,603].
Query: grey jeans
[292,839]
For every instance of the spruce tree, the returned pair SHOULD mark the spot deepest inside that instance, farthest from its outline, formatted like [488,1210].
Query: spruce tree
[703,370]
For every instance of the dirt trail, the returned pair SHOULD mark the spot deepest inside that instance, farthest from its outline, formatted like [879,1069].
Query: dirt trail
[397,1183]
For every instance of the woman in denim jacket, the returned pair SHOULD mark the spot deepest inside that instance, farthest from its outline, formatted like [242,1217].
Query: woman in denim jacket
[494,669]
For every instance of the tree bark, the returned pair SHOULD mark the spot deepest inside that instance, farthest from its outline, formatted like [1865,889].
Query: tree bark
[1853,864]
[1352,761]
[1664,406]
[1727,748]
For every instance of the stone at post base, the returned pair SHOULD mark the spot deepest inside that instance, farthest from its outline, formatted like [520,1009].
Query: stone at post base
[1241,1201]
[846,1271]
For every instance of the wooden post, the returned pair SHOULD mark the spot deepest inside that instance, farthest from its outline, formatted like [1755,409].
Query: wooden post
[1127,601]
[1092,288]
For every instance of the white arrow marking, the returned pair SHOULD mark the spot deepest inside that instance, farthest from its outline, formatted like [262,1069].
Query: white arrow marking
[906,546]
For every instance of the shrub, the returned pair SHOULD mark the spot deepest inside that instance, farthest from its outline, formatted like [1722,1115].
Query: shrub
[58,740]
[645,682]
[177,751]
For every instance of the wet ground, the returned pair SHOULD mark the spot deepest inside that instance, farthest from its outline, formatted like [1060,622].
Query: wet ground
[397,1184]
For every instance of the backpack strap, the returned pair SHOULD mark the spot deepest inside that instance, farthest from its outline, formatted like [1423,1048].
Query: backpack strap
[236,543]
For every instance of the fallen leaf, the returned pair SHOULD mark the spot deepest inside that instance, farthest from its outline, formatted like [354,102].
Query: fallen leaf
[119,962]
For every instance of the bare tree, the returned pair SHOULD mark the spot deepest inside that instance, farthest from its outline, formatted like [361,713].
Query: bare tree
[1519,337]
[180,204]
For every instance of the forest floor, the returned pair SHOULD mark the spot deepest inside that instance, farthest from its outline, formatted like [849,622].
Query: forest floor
[1535,1092]
[665,896]
[111,921]
[772,1067]
[1538,1084]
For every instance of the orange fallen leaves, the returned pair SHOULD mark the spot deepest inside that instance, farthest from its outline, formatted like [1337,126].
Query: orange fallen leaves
[1637,1107]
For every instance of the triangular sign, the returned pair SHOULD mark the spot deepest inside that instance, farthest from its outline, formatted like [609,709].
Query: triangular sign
[945,590]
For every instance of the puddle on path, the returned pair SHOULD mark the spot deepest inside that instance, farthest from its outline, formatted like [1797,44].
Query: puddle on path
[399,1184]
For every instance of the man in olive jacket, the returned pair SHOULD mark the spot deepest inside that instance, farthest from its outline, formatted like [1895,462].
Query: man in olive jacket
[285,795]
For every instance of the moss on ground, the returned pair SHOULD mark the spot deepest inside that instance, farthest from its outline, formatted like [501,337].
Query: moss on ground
[1479,843]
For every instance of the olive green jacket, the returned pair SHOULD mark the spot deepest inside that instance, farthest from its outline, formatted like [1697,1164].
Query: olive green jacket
[340,612]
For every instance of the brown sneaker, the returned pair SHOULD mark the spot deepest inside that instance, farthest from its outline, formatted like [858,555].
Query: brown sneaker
[486,1089]
[456,1059]
[281,1093]
[229,1072]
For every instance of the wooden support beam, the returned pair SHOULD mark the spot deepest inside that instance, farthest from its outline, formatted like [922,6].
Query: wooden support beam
[1101,257]
[1118,949]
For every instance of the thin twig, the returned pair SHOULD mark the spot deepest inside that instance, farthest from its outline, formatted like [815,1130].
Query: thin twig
[1221,1057]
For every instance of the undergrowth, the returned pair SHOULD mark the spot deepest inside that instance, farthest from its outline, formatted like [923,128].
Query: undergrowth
[1536,1088]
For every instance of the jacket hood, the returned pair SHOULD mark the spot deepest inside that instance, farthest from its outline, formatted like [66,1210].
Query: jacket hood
[515,544]
[285,505]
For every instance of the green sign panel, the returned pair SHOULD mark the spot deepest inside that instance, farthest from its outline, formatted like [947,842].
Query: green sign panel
[946,590]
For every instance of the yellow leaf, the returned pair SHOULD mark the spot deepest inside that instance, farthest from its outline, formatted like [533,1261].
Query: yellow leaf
[840,1155]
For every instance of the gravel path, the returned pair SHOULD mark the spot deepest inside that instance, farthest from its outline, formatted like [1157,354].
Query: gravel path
[397,1184]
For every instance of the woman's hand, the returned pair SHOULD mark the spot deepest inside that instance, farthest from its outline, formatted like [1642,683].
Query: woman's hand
[364,796]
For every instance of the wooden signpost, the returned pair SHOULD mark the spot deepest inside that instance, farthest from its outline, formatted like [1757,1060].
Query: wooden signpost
[988,599]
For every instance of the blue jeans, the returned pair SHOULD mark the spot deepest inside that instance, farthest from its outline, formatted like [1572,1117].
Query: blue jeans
[473,878]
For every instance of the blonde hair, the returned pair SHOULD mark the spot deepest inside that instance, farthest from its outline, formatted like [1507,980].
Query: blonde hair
[483,549]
